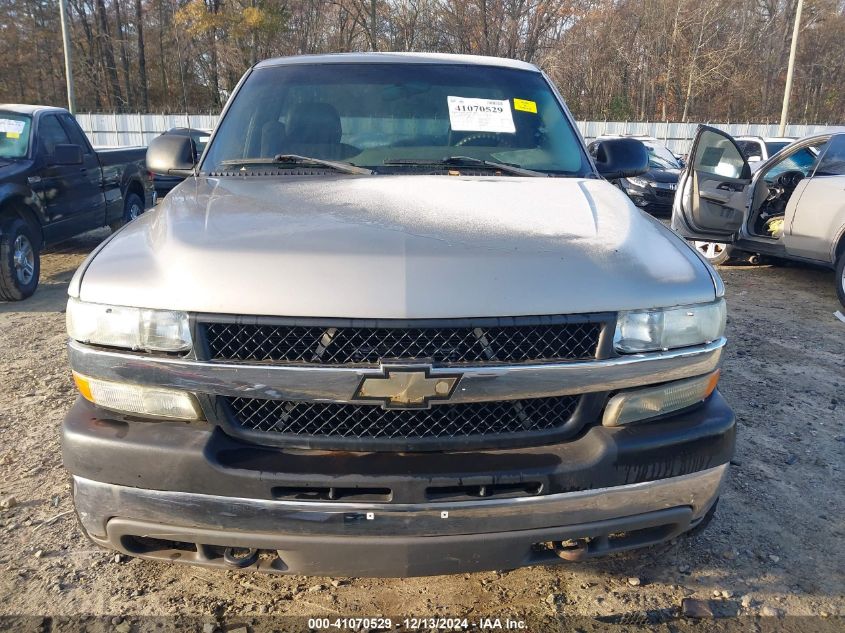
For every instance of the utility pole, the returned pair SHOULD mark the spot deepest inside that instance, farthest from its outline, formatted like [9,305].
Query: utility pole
[71,100]
[790,69]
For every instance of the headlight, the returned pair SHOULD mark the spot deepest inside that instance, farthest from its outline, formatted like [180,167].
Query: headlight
[650,330]
[638,182]
[132,328]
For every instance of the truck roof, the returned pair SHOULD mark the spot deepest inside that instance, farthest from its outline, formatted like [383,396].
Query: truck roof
[21,108]
[766,139]
[398,58]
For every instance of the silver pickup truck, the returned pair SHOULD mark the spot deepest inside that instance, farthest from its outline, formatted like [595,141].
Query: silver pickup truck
[394,322]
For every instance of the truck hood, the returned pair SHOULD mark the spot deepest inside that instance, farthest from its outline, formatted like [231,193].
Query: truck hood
[10,168]
[395,247]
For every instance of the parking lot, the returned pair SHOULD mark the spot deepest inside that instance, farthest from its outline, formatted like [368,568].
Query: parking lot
[775,547]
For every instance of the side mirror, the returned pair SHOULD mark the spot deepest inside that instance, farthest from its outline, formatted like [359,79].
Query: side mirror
[621,158]
[66,155]
[755,159]
[171,155]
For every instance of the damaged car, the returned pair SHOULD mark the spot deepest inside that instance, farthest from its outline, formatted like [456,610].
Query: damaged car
[792,207]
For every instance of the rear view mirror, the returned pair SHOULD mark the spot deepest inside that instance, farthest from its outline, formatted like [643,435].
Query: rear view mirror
[66,155]
[171,155]
[621,158]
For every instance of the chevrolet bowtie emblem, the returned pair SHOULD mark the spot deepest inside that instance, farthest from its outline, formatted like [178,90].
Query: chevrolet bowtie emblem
[407,386]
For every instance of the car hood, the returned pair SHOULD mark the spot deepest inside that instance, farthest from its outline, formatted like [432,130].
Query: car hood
[10,168]
[662,175]
[395,247]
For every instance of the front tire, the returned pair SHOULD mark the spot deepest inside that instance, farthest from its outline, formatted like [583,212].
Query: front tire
[714,252]
[840,279]
[20,260]
[133,206]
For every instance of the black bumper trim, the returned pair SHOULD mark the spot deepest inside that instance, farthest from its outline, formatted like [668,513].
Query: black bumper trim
[198,458]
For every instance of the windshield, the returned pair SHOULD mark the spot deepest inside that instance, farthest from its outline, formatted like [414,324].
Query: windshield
[200,138]
[373,114]
[14,135]
[661,158]
[802,160]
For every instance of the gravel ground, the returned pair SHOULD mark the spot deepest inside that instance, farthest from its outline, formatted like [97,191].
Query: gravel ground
[774,548]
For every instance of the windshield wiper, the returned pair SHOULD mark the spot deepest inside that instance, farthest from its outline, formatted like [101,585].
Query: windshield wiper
[296,159]
[457,161]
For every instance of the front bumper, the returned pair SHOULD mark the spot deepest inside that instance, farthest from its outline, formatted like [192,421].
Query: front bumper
[651,198]
[186,493]
[391,540]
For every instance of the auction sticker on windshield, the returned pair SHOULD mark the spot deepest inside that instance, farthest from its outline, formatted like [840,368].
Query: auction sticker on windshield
[480,115]
[11,127]
[524,105]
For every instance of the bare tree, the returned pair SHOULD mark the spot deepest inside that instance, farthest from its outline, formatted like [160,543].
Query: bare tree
[666,59]
[142,57]
[104,41]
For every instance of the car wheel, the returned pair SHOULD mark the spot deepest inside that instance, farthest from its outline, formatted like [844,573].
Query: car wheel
[840,279]
[714,252]
[133,206]
[20,261]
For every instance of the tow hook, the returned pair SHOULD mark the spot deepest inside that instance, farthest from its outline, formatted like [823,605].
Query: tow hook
[572,549]
[240,556]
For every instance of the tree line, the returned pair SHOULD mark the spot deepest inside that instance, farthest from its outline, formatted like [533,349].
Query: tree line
[675,60]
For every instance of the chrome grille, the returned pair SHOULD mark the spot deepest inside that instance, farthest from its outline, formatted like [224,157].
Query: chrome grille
[341,345]
[361,422]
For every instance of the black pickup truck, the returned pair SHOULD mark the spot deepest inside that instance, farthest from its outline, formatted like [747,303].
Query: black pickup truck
[54,185]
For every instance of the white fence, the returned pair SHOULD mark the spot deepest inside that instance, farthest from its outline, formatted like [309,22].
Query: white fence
[678,136]
[112,130]
[109,130]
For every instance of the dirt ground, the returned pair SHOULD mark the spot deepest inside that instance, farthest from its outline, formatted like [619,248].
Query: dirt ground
[775,547]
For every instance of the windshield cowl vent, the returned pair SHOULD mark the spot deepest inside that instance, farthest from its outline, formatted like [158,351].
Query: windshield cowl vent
[273,171]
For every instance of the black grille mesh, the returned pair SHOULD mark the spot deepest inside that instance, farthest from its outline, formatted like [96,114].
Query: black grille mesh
[365,345]
[370,422]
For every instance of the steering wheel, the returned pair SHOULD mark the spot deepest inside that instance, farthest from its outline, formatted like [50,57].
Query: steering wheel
[789,179]
[775,192]
[480,136]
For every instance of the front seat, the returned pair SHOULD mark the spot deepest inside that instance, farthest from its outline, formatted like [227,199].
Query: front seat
[273,136]
[313,129]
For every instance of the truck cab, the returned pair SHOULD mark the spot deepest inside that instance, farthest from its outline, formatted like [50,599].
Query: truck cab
[55,185]
[757,149]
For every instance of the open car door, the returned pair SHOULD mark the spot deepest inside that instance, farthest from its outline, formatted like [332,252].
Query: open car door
[712,195]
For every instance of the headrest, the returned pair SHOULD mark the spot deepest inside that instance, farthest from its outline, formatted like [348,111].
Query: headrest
[314,123]
[272,138]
